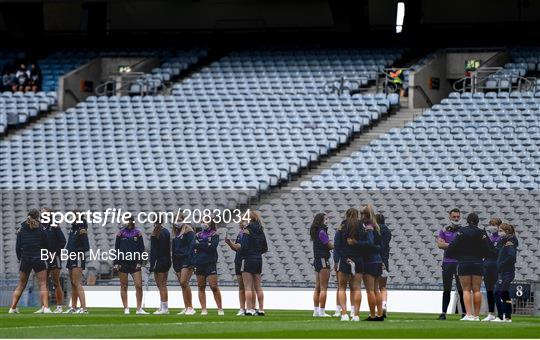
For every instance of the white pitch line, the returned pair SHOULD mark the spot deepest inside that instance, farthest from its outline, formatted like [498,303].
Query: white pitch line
[150,324]
[209,322]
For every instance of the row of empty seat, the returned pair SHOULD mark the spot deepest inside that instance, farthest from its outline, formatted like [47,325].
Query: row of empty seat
[458,148]
[16,108]
[523,61]
[291,70]
[62,61]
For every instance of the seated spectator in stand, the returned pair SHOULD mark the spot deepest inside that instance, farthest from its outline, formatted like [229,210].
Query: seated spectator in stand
[21,79]
[8,79]
[34,78]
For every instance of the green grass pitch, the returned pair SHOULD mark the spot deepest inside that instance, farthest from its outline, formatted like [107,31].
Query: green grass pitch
[111,323]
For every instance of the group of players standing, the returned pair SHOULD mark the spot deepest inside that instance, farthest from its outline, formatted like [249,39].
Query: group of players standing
[187,250]
[361,250]
[32,237]
[196,252]
[473,255]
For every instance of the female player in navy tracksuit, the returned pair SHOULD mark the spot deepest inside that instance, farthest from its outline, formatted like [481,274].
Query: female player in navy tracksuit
[373,266]
[77,246]
[30,240]
[470,247]
[386,236]
[506,268]
[182,254]
[205,260]
[337,256]
[56,242]
[129,240]
[350,263]
[490,267]
[321,255]
[160,263]
[235,246]
[252,245]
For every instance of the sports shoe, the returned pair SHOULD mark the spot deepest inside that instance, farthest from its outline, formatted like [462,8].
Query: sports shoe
[497,319]
[315,314]
[507,320]
[260,313]
[324,315]
[82,311]
[250,312]
[70,310]
[59,310]
[442,316]
[126,311]
[369,318]
[355,318]
[489,317]
[220,312]
[13,311]
[204,312]
[379,318]
[241,312]
[161,312]
[467,318]
[190,311]
[337,313]
[47,310]
[141,312]
[39,311]
[344,317]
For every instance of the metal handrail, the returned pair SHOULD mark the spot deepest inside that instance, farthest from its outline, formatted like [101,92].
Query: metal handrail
[132,78]
[386,74]
[330,86]
[98,91]
[475,78]
[522,84]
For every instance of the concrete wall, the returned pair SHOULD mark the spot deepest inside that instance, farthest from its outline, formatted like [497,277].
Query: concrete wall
[98,70]
[69,86]
[421,78]
[411,301]
[456,62]
[447,67]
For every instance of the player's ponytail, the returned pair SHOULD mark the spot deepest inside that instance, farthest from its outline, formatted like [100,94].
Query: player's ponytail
[351,221]
[318,222]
